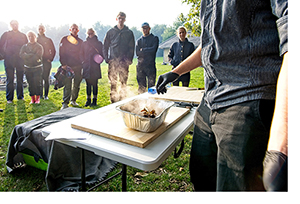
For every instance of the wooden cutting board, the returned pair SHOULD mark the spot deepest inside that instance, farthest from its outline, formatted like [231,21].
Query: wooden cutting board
[181,94]
[110,124]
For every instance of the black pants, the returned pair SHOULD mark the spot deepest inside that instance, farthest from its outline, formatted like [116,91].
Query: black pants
[46,72]
[13,64]
[34,79]
[91,83]
[144,74]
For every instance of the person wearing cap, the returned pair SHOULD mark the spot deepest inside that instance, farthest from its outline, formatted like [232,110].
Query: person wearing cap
[48,56]
[146,48]
[118,51]
[179,51]
[10,46]
[69,52]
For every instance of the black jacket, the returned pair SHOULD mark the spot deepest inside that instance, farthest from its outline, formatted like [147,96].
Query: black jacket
[146,48]
[119,44]
[49,49]
[69,53]
[179,51]
[89,49]
[11,43]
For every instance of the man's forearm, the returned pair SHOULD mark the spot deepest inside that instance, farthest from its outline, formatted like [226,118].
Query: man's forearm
[279,129]
[190,63]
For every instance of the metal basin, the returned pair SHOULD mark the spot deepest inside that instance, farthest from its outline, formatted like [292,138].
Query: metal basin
[133,117]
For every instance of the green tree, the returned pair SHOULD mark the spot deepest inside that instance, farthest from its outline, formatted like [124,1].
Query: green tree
[136,32]
[101,30]
[171,30]
[192,19]
[158,30]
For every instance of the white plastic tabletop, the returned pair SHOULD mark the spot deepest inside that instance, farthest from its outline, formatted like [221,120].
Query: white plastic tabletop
[148,158]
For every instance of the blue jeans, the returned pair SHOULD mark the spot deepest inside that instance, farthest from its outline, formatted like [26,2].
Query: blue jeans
[229,146]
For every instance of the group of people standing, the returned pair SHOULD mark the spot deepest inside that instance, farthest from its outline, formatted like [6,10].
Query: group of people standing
[33,54]
[240,137]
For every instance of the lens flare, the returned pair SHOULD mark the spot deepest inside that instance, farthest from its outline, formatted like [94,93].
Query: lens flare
[72,40]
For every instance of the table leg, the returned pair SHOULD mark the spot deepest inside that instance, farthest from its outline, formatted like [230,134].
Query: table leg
[83,171]
[124,178]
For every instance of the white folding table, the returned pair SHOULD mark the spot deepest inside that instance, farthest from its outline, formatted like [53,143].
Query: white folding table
[147,159]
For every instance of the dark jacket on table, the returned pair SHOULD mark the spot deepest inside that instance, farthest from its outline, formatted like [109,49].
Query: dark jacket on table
[32,55]
[11,43]
[146,48]
[89,49]
[49,49]
[179,51]
[119,44]
[69,53]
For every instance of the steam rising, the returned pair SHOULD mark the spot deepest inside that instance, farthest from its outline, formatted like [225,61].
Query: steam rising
[136,106]
[118,69]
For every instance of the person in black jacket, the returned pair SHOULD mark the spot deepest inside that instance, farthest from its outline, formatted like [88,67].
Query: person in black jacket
[10,45]
[180,51]
[69,55]
[48,56]
[146,48]
[91,56]
[118,50]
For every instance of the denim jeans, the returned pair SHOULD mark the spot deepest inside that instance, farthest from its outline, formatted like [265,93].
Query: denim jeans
[229,146]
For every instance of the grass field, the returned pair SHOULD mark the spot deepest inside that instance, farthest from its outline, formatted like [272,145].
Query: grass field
[172,175]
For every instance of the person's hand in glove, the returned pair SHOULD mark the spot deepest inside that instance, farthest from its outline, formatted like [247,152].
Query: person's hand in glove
[163,80]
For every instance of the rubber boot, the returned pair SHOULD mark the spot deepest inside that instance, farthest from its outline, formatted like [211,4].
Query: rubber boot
[37,99]
[88,102]
[94,102]
[32,100]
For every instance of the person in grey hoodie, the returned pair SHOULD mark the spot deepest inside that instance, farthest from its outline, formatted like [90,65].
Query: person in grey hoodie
[118,51]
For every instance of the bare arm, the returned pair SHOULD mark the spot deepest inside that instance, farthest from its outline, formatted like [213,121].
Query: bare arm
[190,63]
[279,129]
